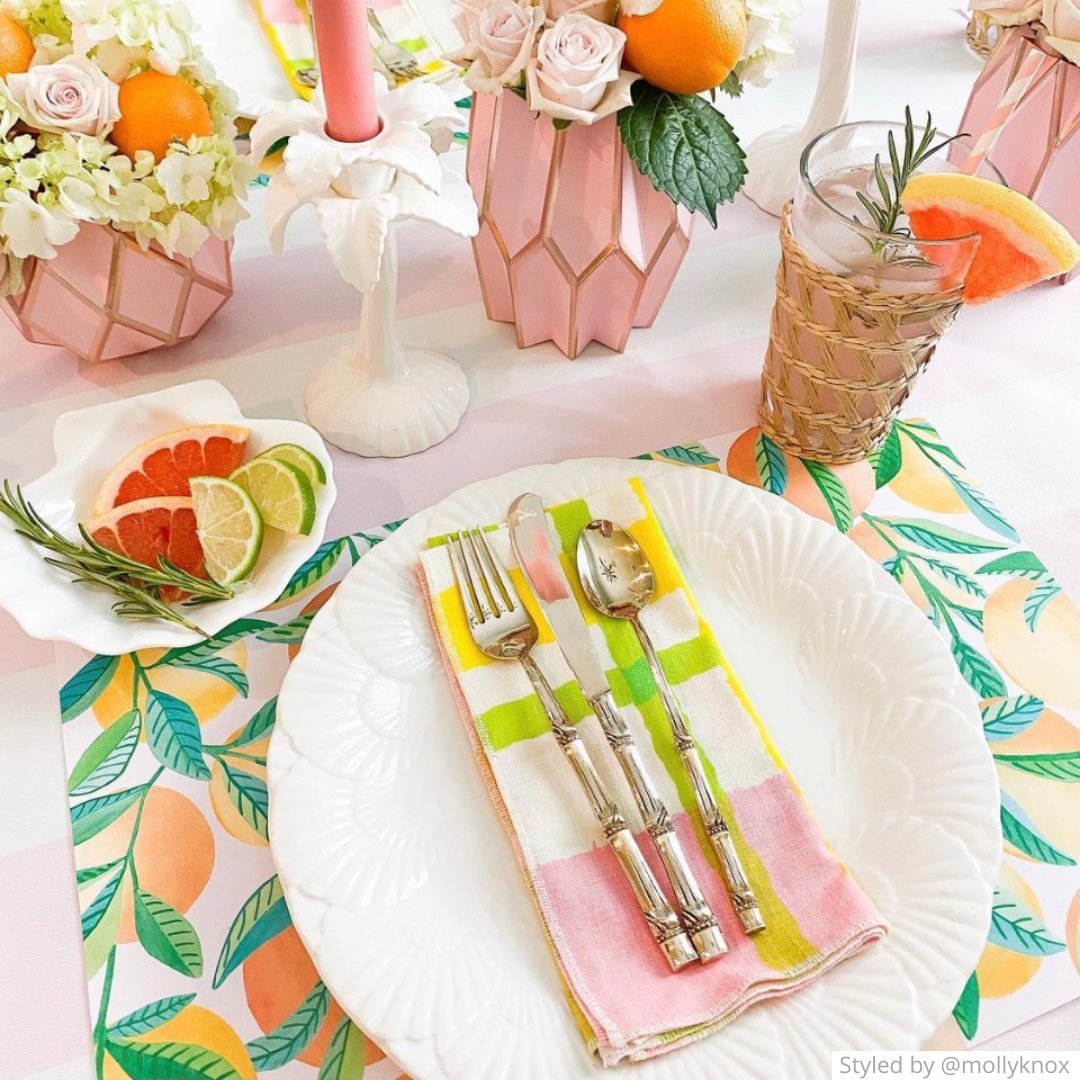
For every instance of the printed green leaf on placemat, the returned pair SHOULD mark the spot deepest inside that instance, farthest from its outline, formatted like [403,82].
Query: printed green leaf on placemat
[105,759]
[1014,926]
[345,1055]
[170,1061]
[1018,563]
[771,464]
[248,794]
[167,935]
[221,667]
[92,915]
[1037,600]
[833,491]
[1064,766]
[887,460]
[982,508]
[86,874]
[1019,830]
[978,672]
[293,1035]
[684,146]
[955,576]
[937,537]
[84,687]
[966,1010]
[1008,717]
[149,1016]
[317,566]
[687,454]
[258,727]
[191,654]
[173,734]
[262,917]
[289,633]
[90,817]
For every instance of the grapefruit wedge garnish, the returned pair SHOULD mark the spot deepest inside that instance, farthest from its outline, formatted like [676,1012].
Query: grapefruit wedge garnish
[165,464]
[1019,244]
[146,529]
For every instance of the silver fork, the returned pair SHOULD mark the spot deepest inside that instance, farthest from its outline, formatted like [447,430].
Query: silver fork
[504,630]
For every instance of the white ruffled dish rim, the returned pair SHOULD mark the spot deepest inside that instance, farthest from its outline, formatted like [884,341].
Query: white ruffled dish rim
[404,889]
[88,443]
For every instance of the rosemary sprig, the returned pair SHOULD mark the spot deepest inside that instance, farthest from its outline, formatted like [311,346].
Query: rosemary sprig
[138,587]
[885,214]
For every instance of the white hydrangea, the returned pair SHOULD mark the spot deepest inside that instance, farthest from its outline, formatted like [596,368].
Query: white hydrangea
[770,40]
[52,182]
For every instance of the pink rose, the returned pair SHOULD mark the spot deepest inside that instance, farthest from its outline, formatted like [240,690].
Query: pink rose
[1008,12]
[73,94]
[499,38]
[1062,21]
[576,74]
[506,32]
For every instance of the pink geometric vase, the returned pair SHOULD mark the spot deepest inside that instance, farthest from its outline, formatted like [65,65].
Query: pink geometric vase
[575,245]
[1038,150]
[103,297]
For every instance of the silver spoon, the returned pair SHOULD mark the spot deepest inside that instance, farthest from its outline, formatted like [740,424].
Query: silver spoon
[619,581]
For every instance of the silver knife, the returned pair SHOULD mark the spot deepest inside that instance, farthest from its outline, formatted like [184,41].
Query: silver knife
[537,556]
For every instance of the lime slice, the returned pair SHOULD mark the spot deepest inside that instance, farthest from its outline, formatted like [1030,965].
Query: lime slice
[282,493]
[229,527]
[303,459]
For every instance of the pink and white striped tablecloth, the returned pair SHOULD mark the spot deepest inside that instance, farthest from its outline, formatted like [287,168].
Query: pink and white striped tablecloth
[1005,391]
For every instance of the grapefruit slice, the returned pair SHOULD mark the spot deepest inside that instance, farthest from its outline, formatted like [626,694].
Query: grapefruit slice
[1019,244]
[145,529]
[164,465]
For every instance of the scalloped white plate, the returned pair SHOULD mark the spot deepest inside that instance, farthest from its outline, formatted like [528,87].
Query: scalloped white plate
[408,896]
[87,444]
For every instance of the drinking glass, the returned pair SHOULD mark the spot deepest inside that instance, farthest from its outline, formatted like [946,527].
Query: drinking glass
[858,312]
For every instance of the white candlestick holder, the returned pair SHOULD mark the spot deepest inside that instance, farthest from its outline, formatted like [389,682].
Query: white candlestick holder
[377,397]
[772,159]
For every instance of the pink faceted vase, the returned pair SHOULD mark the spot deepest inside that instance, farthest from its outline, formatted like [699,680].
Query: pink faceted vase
[103,297]
[575,245]
[1038,149]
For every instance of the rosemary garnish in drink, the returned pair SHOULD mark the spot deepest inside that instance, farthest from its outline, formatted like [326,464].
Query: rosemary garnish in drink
[886,214]
[139,587]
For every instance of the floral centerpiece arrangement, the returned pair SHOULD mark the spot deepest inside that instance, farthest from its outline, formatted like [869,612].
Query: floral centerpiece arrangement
[562,86]
[110,116]
[1024,109]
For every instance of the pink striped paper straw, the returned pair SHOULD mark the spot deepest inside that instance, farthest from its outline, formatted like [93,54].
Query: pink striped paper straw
[1009,100]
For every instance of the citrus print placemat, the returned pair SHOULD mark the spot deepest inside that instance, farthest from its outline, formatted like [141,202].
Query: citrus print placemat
[404,47]
[194,968]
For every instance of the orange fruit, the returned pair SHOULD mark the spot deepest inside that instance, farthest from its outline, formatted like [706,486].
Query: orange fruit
[1019,244]
[165,464]
[685,46]
[194,1026]
[802,490]
[16,47]
[1041,661]
[174,853]
[277,978]
[1072,931]
[1000,971]
[205,693]
[155,111]
[148,528]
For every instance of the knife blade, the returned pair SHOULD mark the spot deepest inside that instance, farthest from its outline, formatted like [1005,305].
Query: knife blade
[537,555]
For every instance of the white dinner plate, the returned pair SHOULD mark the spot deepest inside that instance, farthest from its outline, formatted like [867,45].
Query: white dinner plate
[407,893]
[88,443]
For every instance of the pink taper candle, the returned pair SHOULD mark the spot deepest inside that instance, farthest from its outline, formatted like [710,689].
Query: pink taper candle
[344,53]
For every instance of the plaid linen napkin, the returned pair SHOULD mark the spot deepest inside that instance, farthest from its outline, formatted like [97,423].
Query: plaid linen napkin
[625,998]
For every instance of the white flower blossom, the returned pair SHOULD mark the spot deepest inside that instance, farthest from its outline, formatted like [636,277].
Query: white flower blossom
[770,40]
[31,230]
[185,177]
[184,235]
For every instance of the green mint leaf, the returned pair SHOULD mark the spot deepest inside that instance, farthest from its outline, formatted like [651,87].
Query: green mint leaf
[684,146]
